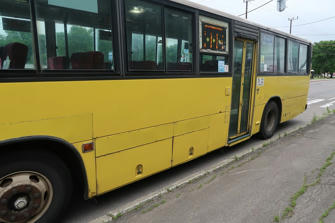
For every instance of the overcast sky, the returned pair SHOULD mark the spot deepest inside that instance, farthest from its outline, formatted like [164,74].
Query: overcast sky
[307,11]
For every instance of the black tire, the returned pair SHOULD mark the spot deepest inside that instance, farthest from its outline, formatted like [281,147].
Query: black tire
[270,120]
[52,168]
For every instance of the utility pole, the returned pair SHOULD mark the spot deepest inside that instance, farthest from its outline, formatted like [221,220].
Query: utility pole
[291,21]
[246,7]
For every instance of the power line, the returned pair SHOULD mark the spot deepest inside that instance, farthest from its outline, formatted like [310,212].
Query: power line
[306,34]
[309,23]
[257,7]
[321,20]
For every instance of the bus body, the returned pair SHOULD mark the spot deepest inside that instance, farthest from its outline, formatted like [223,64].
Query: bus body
[114,91]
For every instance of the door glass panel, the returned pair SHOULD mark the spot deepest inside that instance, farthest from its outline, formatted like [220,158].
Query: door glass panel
[246,87]
[236,89]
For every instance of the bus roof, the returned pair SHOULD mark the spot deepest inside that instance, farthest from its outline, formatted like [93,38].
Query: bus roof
[227,15]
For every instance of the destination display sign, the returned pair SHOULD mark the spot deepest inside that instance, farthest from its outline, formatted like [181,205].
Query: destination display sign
[214,37]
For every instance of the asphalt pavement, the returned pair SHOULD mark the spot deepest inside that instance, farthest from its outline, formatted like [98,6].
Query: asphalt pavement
[321,93]
[290,180]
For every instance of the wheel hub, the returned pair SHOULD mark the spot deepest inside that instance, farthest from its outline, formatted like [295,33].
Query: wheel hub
[23,196]
[21,203]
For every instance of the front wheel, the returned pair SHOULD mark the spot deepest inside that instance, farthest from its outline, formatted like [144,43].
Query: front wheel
[34,187]
[270,120]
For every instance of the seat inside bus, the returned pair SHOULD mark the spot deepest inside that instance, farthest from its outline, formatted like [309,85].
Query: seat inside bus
[15,36]
[16,53]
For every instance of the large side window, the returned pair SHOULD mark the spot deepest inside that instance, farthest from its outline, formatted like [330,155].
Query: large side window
[144,35]
[293,57]
[267,54]
[178,40]
[214,63]
[16,39]
[279,57]
[75,34]
[145,40]
[303,59]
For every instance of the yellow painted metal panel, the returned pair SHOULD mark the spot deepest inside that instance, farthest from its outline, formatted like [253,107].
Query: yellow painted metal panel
[218,132]
[119,169]
[147,103]
[89,163]
[284,87]
[293,107]
[189,146]
[117,105]
[191,125]
[71,129]
[118,142]
[82,110]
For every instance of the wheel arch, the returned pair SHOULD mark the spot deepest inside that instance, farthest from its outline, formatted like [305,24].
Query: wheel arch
[63,149]
[279,103]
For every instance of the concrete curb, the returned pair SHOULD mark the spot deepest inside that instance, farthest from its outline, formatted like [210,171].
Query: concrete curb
[155,195]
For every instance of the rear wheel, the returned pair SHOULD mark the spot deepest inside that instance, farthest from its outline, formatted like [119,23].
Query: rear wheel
[270,120]
[34,187]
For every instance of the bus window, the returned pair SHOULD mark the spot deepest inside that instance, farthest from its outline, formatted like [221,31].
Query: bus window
[266,57]
[16,41]
[80,39]
[178,40]
[293,57]
[214,47]
[210,63]
[279,58]
[60,39]
[171,50]
[73,36]
[144,35]
[137,47]
[303,59]
[151,43]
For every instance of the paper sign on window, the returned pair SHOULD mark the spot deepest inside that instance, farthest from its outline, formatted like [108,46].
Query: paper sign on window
[265,67]
[221,66]
[226,68]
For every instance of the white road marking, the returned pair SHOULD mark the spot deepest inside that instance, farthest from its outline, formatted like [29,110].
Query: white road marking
[328,104]
[331,99]
[315,101]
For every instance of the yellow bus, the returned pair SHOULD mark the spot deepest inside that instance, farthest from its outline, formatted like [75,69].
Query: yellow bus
[97,94]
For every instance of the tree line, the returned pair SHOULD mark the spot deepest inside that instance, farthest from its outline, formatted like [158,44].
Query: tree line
[323,58]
